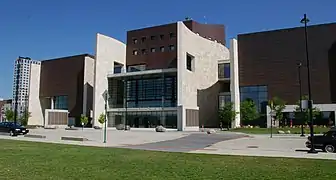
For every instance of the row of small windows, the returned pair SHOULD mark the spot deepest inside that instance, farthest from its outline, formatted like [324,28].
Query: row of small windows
[26,62]
[161,49]
[161,37]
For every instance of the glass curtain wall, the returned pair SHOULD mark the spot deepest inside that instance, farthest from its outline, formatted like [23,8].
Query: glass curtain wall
[142,93]
[259,95]
[144,119]
[151,92]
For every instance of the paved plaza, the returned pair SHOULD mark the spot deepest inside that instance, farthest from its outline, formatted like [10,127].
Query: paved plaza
[225,143]
[262,145]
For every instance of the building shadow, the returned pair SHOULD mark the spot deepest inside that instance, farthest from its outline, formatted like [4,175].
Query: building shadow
[207,101]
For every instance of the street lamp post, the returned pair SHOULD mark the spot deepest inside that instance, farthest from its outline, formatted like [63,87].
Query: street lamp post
[105,125]
[300,93]
[305,20]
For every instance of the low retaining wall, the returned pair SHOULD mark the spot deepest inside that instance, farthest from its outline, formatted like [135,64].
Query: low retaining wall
[74,138]
[35,136]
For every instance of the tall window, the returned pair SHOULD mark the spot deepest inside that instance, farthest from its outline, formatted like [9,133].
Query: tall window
[224,99]
[224,70]
[190,62]
[61,102]
[259,95]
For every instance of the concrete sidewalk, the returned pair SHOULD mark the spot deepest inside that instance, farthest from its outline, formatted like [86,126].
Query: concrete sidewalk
[265,146]
[96,137]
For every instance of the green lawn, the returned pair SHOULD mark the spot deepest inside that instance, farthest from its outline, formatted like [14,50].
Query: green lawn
[33,161]
[317,130]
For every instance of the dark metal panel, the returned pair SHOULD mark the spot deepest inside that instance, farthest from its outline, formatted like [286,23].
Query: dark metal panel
[64,76]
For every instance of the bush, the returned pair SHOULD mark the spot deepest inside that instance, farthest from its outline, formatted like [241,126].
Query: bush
[84,120]
[101,118]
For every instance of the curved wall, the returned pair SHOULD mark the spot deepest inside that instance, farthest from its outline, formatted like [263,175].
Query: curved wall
[206,54]
[108,51]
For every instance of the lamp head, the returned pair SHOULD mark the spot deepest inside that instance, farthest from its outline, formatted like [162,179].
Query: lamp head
[304,19]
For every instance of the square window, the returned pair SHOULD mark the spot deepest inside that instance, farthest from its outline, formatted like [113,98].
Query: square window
[171,35]
[190,62]
[144,51]
[143,39]
[135,41]
[153,49]
[153,37]
[135,52]
[162,49]
[161,36]
[171,47]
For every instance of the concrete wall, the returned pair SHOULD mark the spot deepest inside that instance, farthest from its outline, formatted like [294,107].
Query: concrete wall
[234,81]
[108,51]
[206,54]
[88,85]
[34,105]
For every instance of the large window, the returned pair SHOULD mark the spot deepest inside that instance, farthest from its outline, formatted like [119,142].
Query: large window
[149,92]
[258,94]
[61,102]
[143,119]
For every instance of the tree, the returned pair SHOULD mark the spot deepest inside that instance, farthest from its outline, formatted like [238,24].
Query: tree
[84,119]
[25,117]
[101,118]
[227,114]
[9,115]
[277,105]
[305,112]
[248,110]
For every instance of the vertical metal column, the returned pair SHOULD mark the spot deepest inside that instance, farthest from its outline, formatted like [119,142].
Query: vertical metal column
[125,101]
[105,127]
[163,91]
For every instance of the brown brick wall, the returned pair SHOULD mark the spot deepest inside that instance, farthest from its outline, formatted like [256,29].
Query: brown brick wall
[270,58]
[64,76]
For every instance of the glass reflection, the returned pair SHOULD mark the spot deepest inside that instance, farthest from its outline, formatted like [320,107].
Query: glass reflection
[143,119]
[259,95]
[149,92]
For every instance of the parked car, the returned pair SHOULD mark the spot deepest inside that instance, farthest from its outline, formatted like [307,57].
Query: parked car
[325,142]
[12,128]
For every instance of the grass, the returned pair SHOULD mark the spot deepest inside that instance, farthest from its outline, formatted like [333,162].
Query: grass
[317,130]
[32,160]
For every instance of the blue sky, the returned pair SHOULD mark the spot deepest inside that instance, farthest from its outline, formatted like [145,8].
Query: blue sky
[43,29]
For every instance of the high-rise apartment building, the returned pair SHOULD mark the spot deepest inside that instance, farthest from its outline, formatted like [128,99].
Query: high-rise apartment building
[21,79]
